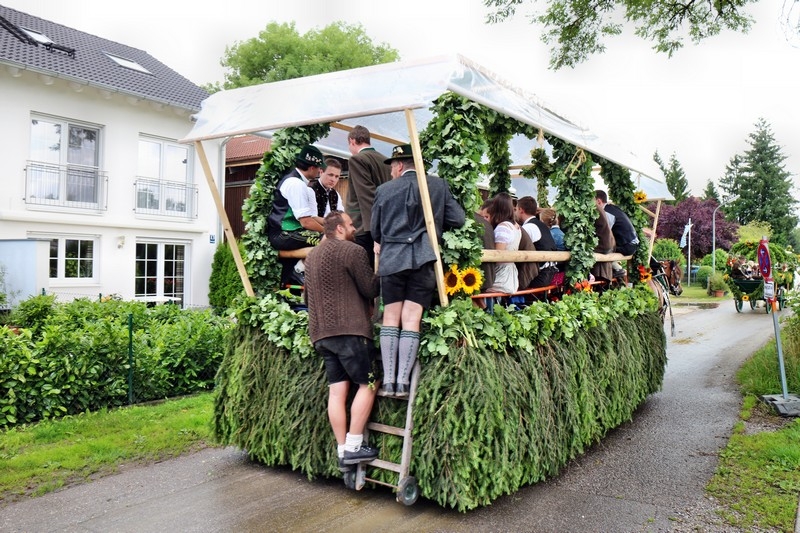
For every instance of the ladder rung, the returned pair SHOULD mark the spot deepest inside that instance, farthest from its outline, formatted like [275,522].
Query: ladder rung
[383,428]
[386,465]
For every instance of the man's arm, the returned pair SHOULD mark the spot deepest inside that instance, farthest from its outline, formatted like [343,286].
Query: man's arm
[296,193]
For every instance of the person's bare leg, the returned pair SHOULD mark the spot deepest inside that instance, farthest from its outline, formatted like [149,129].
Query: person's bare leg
[361,408]
[337,409]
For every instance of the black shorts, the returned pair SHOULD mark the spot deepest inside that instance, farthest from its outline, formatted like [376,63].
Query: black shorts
[417,286]
[348,358]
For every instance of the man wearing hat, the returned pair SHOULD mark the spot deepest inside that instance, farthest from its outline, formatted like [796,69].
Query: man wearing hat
[406,261]
[293,222]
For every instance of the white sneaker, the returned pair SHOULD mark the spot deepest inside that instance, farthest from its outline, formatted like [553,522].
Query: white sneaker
[300,266]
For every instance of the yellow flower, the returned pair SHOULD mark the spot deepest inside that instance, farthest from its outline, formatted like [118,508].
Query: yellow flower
[639,197]
[452,281]
[471,280]
[745,298]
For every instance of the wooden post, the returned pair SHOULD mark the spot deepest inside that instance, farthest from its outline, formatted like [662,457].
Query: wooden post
[430,226]
[226,225]
[655,227]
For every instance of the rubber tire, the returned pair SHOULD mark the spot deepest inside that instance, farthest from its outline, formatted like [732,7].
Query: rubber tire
[408,491]
[753,303]
[350,479]
[738,304]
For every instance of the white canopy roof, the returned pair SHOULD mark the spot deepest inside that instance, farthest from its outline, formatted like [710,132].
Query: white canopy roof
[377,96]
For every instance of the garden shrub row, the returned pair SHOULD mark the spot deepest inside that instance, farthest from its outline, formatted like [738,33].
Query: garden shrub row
[504,400]
[66,358]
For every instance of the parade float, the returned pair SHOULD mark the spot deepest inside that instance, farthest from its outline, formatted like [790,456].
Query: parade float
[504,399]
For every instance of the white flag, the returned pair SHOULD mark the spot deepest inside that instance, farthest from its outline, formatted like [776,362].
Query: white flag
[685,233]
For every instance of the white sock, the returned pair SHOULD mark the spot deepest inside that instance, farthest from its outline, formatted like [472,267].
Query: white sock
[353,442]
[340,450]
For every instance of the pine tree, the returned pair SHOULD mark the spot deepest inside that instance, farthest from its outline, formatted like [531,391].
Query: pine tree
[677,184]
[763,185]
[710,192]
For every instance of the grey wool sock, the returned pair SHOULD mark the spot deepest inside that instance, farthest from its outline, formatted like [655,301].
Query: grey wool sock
[409,345]
[390,336]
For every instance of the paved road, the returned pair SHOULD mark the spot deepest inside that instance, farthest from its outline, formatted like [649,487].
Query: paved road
[644,476]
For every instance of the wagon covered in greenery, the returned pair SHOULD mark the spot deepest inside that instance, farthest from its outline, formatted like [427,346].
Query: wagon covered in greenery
[504,399]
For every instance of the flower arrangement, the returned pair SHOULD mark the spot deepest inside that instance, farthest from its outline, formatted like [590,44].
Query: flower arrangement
[639,196]
[468,280]
[584,286]
[645,275]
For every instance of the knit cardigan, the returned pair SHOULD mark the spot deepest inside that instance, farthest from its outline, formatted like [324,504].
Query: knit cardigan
[340,287]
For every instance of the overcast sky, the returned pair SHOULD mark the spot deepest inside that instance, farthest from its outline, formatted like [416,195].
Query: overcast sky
[701,104]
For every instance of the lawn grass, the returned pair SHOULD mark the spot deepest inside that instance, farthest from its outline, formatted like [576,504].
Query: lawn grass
[46,456]
[696,293]
[758,476]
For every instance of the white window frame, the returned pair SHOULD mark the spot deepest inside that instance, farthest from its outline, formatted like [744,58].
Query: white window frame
[61,259]
[62,172]
[160,190]
[159,295]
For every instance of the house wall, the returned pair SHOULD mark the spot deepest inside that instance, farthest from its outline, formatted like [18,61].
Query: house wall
[121,120]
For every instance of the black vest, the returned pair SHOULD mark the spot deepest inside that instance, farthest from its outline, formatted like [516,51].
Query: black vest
[324,196]
[546,243]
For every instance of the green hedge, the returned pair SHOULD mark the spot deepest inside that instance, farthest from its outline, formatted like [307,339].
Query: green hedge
[504,400]
[69,358]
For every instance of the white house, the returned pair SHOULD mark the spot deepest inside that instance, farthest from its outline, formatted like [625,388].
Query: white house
[92,172]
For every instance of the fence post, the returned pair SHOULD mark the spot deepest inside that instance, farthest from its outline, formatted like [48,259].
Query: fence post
[130,358]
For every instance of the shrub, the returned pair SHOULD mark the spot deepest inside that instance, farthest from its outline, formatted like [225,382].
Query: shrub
[702,275]
[664,249]
[73,357]
[721,261]
[225,283]
[716,282]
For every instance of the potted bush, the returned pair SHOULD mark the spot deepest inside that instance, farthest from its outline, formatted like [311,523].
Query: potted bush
[716,285]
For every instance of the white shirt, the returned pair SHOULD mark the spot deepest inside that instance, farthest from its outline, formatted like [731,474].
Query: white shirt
[532,230]
[295,192]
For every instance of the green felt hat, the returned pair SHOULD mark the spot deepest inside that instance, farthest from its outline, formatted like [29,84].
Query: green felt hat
[310,155]
[401,151]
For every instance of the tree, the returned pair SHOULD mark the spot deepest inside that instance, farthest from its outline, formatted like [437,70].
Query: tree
[281,53]
[673,219]
[576,28]
[710,192]
[677,184]
[764,186]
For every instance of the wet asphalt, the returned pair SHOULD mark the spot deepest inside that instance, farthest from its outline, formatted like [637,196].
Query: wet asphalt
[646,475]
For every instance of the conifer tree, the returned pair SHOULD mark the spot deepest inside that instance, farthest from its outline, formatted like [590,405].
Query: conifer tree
[677,184]
[764,186]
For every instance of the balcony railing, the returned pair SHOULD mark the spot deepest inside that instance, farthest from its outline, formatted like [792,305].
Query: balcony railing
[75,186]
[166,198]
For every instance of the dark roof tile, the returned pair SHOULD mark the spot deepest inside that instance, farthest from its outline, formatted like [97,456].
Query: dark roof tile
[91,65]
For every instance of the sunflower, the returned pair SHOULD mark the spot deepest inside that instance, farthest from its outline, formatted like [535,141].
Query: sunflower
[639,197]
[471,280]
[745,298]
[452,281]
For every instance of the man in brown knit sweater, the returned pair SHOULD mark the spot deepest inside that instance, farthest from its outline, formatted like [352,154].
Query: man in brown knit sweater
[339,290]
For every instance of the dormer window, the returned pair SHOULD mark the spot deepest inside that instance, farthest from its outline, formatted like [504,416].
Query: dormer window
[40,38]
[127,63]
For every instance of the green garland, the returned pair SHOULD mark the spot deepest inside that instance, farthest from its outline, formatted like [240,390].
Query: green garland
[621,189]
[575,201]
[261,258]
[540,170]
[449,137]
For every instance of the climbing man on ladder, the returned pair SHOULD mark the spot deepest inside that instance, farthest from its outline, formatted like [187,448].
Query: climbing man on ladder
[340,286]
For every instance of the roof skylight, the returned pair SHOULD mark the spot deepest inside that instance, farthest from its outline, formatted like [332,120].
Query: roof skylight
[127,63]
[40,38]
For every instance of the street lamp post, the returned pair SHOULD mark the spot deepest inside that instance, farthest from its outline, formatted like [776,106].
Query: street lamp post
[714,236]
